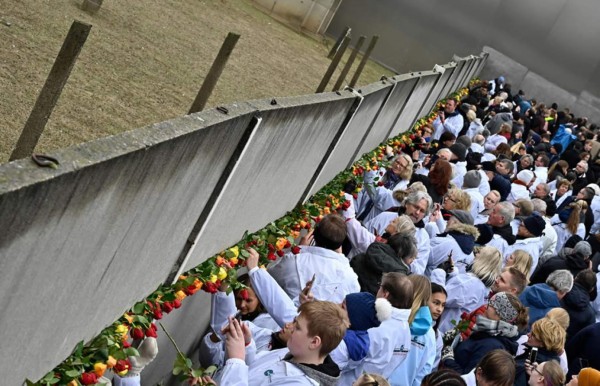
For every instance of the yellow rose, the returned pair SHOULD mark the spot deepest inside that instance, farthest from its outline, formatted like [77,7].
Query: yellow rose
[234,261]
[222,274]
[235,250]
[213,278]
[122,330]
[111,362]
[180,295]
[99,369]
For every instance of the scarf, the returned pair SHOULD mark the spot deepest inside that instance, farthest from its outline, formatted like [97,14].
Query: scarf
[495,327]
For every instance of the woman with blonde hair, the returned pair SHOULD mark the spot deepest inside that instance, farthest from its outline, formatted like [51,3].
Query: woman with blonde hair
[421,356]
[521,260]
[549,338]
[468,291]
[569,222]
[371,380]
[379,185]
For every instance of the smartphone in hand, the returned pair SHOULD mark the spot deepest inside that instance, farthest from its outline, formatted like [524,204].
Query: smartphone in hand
[309,285]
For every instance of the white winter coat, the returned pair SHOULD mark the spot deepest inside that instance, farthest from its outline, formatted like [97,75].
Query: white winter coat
[334,276]
[531,245]
[563,234]
[476,201]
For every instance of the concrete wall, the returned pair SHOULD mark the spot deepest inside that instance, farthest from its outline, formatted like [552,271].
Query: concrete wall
[121,215]
[312,16]
[536,86]
[556,39]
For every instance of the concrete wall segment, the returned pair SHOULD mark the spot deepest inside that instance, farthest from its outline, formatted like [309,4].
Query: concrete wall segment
[414,105]
[76,245]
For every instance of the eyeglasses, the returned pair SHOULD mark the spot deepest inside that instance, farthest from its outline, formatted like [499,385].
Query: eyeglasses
[398,163]
[537,371]
[447,197]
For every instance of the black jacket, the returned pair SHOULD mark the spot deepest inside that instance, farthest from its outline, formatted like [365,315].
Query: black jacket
[584,347]
[543,355]
[378,259]
[573,262]
[581,313]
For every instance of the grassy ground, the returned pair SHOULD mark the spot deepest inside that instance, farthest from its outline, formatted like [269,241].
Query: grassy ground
[144,62]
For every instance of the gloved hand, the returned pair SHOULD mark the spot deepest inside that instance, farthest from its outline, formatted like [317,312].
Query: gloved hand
[447,353]
[449,336]
[148,350]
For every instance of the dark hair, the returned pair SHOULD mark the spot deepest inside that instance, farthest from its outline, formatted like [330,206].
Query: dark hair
[405,245]
[444,377]
[399,288]
[447,136]
[330,232]
[436,288]
[498,368]
[544,158]
[587,279]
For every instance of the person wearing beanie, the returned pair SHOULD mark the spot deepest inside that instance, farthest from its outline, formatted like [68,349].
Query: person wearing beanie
[587,377]
[529,235]
[458,158]
[520,186]
[541,298]
[448,119]
[577,302]
[471,182]
[497,328]
[464,140]
[574,260]
[458,238]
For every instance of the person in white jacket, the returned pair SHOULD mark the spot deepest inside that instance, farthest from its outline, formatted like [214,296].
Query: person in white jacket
[520,186]
[335,277]
[471,183]
[468,291]
[318,329]
[421,356]
[529,235]
[448,120]
[379,185]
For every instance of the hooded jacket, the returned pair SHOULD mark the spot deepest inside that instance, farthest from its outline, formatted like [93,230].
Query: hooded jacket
[566,259]
[540,298]
[458,239]
[378,259]
[581,313]
[421,356]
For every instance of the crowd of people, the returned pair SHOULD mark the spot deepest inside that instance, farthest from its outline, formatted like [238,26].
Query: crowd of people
[471,260]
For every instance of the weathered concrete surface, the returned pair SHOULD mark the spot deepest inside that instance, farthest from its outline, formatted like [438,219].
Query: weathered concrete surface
[434,95]
[500,64]
[415,102]
[275,168]
[83,243]
[404,85]
[447,88]
[374,95]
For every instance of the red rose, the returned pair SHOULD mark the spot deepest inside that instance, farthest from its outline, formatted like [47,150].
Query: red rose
[157,314]
[126,344]
[271,247]
[346,205]
[271,256]
[137,333]
[176,303]
[280,253]
[295,249]
[244,294]
[89,379]
[167,307]
[151,333]
[210,287]
[122,365]
[287,244]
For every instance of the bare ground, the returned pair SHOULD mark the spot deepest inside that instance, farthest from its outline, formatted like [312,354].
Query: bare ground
[144,62]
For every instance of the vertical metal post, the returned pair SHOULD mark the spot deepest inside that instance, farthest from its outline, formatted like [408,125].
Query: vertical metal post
[91,6]
[59,74]
[338,42]
[349,63]
[333,65]
[363,62]
[214,73]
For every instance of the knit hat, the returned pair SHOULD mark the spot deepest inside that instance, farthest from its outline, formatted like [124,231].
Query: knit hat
[463,216]
[535,224]
[526,176]
[504,307]
[486,233]
[564,214]
[589,377]
[584,248]
[363,311]
[595,187]
[472,179]
[488,166]
[459,150]
[572,241]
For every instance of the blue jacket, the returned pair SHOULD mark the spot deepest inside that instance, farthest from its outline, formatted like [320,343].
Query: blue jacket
[421,356]
[540,298]
[468,353]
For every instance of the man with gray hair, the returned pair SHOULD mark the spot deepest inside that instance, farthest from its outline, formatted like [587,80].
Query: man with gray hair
[574,260]
[416,205]
[549,238]
[542,191]
[542,297]
[500,219]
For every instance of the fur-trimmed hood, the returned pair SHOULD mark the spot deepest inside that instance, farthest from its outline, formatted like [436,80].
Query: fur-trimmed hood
[465,236]
[463,228]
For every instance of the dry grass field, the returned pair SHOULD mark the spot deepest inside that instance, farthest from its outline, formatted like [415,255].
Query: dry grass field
[144,62]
